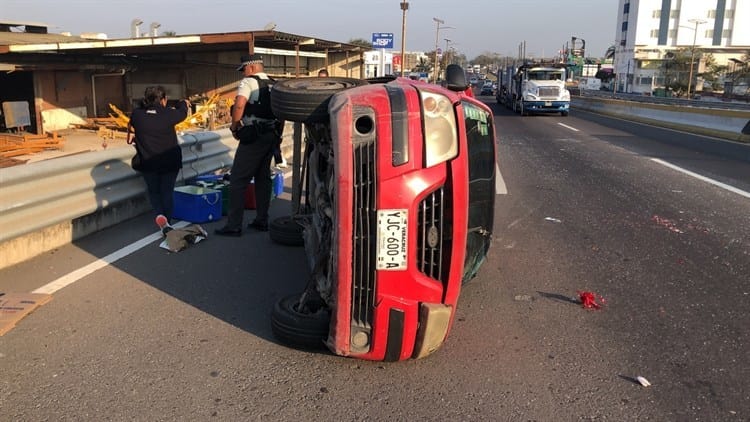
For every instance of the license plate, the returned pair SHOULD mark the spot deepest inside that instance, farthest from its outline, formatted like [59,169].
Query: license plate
[548,103]
[391,240]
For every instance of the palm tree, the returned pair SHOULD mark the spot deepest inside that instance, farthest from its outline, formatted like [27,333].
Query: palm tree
[610,54]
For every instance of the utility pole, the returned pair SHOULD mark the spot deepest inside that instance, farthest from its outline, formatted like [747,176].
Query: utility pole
[404,8]
[692,52]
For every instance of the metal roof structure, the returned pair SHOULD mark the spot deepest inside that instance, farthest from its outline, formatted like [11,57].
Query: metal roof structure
[27,51]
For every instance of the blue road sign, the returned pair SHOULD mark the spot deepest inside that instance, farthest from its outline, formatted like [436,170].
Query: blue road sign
[382,40]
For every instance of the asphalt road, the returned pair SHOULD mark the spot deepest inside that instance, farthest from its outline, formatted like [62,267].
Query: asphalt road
[186,336]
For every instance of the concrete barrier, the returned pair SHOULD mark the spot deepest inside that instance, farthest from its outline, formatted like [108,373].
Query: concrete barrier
[720,123]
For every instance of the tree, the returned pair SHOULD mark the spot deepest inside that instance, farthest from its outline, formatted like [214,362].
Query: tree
[423,65]
[712,71]
[169,33]
[367,45]
[676,69]
[740,69]
[486,59]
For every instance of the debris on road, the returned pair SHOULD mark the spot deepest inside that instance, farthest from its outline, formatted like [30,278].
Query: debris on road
[671,226]
[588,300]
[643,381]
[176,240]
[15,306]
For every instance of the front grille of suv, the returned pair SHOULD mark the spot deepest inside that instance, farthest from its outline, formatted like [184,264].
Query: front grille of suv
[364,233]
[433,232]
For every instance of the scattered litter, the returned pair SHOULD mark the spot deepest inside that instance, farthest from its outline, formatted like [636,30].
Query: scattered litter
[643,381]
[15,306]
[666,223]
[588,300]
[522,298]
[176,240]
[552,219]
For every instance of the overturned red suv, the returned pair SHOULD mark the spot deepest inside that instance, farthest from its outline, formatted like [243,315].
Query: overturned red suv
[398,179]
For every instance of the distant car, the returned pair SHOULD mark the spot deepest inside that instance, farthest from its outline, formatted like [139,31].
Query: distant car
[486,89]
[473,81]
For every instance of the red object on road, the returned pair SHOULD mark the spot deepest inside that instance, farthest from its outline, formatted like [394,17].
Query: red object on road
[588,300]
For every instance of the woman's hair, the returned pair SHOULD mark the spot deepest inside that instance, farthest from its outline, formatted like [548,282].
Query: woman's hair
[153,95]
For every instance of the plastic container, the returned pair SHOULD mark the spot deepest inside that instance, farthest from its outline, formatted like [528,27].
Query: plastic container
[277,184]
[250,196]
[197,204]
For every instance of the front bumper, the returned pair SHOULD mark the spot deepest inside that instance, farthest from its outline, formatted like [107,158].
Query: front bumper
[546,106]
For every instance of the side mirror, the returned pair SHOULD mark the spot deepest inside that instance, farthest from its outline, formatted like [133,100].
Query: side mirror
[455,78]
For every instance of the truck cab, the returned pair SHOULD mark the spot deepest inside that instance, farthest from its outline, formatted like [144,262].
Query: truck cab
[539,88]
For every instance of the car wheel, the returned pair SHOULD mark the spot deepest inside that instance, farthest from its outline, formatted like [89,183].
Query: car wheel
[286,231]
[306,99]
[304,330]
[563,113]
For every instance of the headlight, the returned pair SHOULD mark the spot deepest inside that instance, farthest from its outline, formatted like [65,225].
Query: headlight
[440,141]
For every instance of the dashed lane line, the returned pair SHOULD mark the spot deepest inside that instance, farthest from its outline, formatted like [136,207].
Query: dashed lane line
[568,127]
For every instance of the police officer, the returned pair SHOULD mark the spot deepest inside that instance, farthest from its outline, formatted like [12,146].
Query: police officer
[254,126]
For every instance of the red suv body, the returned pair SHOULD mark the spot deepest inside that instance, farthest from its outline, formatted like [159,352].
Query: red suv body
[402,180]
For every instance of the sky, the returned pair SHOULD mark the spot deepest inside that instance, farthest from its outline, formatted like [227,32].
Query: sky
[473,27]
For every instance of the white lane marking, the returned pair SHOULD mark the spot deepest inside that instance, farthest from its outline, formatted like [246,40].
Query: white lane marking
[500,188]
[703,178]
[568,127]
[78,274]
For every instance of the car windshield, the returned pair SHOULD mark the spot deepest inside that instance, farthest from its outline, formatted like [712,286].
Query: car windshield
[479,137]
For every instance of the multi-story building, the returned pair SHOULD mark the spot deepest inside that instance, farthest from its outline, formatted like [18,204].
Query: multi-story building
[649,32]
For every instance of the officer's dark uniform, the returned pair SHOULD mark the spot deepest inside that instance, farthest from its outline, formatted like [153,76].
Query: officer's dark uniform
[258,140]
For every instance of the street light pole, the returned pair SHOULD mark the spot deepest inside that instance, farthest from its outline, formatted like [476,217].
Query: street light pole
[692,53]
[445,53]
[404,8]
[437,36]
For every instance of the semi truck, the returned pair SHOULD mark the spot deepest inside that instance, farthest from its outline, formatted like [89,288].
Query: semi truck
[535,88]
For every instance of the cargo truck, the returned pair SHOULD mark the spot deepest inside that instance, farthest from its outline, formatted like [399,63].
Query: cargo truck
[537,88]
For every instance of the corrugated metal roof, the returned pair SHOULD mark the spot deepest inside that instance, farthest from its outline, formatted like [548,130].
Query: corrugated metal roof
[20,38]
[29,42]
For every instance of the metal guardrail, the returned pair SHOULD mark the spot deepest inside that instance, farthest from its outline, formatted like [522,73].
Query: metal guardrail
[45,204]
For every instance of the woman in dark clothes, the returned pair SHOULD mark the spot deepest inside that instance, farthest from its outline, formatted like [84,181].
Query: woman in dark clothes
[156,141]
